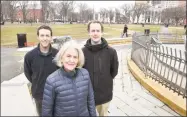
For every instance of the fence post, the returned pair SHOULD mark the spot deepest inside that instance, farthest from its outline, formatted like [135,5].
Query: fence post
[158,36]
[146,59]
[176,37]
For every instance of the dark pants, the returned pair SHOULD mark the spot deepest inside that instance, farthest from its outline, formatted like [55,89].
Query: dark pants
[38,106]
[125,33]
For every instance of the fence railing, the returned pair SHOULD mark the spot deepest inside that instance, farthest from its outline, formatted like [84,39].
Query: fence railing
[171,37]
[165,65]
[167,37]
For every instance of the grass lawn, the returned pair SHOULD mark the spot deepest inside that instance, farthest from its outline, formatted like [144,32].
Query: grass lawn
[76,31]
[177,30]
[138,27]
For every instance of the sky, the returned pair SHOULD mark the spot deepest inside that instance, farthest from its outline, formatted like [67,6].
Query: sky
[104,4]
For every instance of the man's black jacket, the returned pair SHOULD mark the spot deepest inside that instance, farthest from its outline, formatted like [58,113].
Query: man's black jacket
[37,67]
[101,61]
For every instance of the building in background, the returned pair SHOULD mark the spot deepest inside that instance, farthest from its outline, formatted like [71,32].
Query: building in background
[33,12]
[153,15]
[141,2]
[154,3]
[169,4]
[182,3]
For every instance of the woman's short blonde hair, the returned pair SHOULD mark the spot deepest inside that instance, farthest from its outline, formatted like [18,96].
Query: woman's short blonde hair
[65,46]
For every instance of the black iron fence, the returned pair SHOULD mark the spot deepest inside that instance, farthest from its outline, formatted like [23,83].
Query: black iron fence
[170,37]
[163,64]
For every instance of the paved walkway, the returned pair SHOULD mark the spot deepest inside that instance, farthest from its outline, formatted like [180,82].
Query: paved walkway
[164,29]
[132,99]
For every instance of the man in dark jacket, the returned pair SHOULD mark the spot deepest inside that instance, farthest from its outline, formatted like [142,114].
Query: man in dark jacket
[101,61]
[38,64]
[125,30]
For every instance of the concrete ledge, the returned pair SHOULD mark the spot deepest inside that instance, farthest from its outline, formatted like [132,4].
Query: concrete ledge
[129,40]
[119,41]
[16,99]
[172,41]
[175,102]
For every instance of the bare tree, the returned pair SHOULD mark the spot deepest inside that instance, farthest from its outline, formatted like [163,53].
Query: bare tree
[52,13]
[89,15]
[147,15]
[59,11]
[139,9]
[133,14]
[34,5]
[159,16]
[23,6]
[82,10]
[178,14]
[75,16]
[1,13]
[153,16]
[166,15]
[71,11]
[111,14]
[4,10]
[12,8]
[126,9]
[117,12]
[45,10]
[66,5]
[103,13]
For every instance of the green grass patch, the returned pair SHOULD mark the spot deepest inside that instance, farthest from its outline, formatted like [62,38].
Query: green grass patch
[76,31]
[138,27]
[177,30]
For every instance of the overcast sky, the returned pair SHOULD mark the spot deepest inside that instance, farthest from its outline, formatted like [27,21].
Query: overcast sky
[102,4]
[105,4]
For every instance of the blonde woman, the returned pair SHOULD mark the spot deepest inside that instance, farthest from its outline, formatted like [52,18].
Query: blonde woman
[68,91]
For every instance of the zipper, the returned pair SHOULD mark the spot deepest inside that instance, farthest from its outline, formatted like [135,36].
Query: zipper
[93,72]
[100,65]
[75,90]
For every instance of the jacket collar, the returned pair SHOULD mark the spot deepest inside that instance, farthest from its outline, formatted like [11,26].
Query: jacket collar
[71,74]
[40,53]
[96,47]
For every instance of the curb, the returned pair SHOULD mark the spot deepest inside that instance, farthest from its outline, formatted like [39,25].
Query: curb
[119,41]
[173,100]
[24,86]
[125,41]
[172,41]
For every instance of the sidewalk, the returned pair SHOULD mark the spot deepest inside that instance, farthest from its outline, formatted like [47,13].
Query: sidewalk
[129,97]
[132,99]
[16,99]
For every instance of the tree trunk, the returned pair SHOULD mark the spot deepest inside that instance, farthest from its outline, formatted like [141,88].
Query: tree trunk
[137,20]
